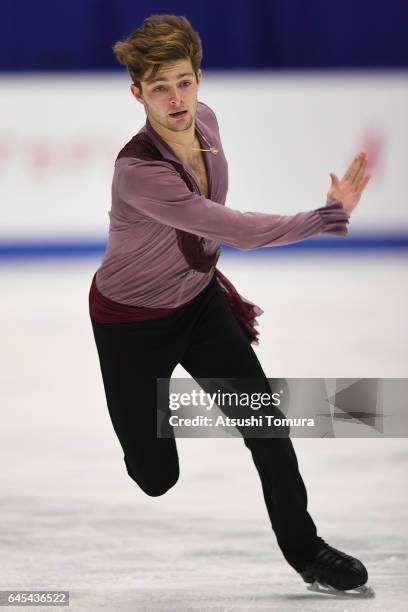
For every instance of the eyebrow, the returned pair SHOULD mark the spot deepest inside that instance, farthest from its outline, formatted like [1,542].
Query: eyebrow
[179,76]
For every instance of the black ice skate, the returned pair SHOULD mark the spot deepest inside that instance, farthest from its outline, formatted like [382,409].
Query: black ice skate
[333,572]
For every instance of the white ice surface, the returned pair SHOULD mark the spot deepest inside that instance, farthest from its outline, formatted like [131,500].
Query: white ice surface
[71,517]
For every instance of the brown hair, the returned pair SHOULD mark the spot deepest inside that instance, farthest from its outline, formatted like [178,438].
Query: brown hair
[161,39]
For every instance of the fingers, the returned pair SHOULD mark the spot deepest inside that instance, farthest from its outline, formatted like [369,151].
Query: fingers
[350,169]
[359,169]
[364,182]
[359,177]
[354,181]
[354,167]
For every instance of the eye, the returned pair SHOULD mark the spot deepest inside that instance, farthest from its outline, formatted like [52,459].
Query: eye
[159,88]
[185,83]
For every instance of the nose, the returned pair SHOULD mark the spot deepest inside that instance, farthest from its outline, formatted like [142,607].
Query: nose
[175,98]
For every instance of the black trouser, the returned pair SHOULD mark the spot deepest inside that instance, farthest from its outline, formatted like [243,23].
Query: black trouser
[206,339]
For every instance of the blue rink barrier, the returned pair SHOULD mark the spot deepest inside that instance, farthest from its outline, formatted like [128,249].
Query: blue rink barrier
[50,249]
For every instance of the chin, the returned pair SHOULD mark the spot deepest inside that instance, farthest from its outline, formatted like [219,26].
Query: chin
[182,125]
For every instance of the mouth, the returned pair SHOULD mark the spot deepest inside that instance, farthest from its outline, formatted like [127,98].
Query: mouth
[179,114]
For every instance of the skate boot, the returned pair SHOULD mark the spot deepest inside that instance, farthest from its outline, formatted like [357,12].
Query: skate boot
[333,572]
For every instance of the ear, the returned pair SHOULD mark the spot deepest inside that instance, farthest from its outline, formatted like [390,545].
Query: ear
[137,93]
[199,76]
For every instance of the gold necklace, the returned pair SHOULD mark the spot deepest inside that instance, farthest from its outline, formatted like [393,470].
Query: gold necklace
[212,149]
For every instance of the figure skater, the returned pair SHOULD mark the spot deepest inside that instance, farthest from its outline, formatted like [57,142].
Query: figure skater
[158,299]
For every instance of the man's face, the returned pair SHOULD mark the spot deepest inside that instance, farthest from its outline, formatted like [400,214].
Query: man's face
[171,98]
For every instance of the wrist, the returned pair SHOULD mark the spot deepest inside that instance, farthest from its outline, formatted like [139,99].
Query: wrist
[334,217]
[332,200]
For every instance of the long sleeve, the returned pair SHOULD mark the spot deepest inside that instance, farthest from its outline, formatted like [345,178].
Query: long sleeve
[157,191]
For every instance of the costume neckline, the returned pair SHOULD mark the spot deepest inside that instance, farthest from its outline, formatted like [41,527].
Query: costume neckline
[168,152]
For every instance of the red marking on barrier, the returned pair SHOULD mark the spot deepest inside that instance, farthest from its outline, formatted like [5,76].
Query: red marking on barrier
[45,157]
[374,144]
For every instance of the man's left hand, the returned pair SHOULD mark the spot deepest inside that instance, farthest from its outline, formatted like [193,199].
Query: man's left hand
[348,190]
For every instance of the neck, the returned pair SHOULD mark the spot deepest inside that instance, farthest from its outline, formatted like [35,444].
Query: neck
[180,142]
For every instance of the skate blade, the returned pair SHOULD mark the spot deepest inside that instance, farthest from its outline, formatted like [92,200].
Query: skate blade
[362,592]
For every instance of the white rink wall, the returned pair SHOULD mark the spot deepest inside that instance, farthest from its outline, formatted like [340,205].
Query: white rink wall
[282,135]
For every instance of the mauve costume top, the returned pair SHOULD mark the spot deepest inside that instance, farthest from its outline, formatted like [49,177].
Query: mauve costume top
[158,213]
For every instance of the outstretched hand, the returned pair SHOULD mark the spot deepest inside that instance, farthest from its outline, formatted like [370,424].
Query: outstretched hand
[348,190]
